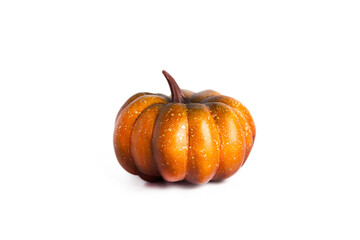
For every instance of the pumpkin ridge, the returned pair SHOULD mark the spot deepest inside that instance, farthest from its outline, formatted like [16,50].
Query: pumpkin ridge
[152,140]
[242,150]
[188,140]
[170,158]
[138,95]
[235,104]
[220,141]
[248,147]
[133,98]
[132,130]
[244,139]
[124,151]
[199,118]
[235,109]
[209,93]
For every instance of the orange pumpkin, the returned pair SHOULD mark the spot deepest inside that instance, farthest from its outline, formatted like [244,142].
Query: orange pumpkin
[195,137]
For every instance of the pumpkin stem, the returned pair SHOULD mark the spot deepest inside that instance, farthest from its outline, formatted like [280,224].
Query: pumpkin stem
[176,93]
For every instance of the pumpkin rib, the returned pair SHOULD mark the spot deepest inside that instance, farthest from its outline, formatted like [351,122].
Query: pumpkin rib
[129,101]
[232,102]
[203,150]
[187,93]
[141,174]
[136,96]
[247,131]
[123,129]
[166,97]
[199,96]
[133,97]
[138,142]
[188,146]
[170,152]
[232,146]
[152,141]
[220,141]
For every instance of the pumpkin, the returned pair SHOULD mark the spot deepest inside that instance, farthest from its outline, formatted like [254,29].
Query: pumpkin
[196,137]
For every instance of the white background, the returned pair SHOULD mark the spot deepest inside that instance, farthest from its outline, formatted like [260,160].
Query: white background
[66,67]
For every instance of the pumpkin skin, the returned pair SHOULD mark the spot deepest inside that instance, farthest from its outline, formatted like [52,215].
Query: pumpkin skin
[195,137]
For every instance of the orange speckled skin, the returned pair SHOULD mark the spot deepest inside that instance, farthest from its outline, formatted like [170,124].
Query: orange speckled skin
[208,137]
